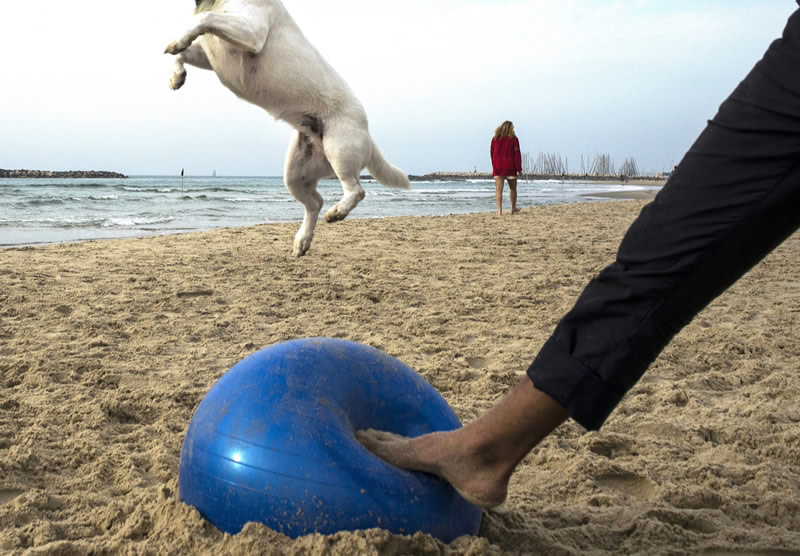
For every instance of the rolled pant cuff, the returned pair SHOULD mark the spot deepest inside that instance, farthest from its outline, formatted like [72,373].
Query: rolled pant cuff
[573,386]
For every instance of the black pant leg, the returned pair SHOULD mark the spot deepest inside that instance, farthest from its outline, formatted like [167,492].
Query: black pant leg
[733,198]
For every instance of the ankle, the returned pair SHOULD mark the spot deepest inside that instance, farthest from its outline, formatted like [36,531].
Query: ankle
[486,453]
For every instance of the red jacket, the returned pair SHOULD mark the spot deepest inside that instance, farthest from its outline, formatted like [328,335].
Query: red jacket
[506,157]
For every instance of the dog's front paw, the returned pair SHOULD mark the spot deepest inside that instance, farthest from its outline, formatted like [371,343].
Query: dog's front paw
[335,214]
[176,47]
[177,80]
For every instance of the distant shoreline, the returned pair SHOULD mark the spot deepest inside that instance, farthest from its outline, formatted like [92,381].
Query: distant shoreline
[34,174]
[629,180]
[442,176]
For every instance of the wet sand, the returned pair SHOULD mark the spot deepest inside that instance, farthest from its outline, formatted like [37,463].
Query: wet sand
[645,195]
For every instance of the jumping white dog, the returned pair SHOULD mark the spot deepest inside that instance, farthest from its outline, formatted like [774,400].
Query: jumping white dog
[260,54]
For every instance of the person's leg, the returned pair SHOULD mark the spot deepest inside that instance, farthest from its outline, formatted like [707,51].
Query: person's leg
[479,458]
[512,191]
[733,198]
[498,195]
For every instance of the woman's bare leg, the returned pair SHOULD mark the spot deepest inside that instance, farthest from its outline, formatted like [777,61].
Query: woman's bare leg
[512,187]
[498,181]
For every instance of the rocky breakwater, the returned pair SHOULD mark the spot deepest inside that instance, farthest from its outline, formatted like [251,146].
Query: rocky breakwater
[55,174]
[452,176]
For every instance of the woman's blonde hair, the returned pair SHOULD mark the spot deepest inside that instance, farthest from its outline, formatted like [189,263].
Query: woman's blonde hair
[506,129]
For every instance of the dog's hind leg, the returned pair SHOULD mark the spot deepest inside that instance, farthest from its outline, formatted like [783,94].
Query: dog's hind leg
[305,166]
[348,149]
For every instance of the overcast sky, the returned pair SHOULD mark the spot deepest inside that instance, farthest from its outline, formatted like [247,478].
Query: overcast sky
[84,84]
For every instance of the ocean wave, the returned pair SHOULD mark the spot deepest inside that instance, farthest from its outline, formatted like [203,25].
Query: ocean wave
[68,183]
[190,189]
[69,222]
[100,183]
[385,192]
[131,221]
[45,201]
[87,222]
[194,190]
[245,200]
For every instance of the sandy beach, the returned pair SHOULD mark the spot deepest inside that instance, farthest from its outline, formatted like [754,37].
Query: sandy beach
[106,348]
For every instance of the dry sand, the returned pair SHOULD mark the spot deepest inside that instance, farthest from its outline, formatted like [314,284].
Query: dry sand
[106,348]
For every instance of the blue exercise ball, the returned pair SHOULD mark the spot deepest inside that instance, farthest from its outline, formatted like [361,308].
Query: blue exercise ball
[274,442]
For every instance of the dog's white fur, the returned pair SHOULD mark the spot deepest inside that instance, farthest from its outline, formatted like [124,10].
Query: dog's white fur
[260,54]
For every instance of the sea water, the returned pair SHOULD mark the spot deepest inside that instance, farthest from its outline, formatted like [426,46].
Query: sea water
[36,211]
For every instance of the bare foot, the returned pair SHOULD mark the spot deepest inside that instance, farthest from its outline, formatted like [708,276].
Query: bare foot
[515,211]
[481,482]
[479,458]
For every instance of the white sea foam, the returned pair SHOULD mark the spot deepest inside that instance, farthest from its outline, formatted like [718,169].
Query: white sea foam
[136,221]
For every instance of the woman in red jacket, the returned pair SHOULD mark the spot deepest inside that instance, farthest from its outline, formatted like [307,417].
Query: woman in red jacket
[506,163]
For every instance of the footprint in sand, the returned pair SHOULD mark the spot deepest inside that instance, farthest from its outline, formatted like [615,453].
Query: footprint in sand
[477,362]
[629,484]
[612,446]
[7,495]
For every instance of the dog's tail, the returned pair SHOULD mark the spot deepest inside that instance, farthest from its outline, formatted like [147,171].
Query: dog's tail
[388,175]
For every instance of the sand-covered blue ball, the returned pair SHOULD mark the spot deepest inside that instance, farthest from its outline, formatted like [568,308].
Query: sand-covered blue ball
[274,442]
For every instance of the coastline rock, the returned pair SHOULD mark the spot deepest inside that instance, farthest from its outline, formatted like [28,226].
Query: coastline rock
[55,174]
